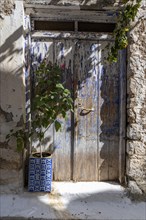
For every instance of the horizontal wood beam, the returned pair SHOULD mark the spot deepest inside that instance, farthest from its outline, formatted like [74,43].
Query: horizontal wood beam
[71,13]
[61,35]
[75,7]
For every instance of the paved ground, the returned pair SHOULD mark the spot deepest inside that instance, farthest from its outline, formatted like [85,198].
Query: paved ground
[94,200]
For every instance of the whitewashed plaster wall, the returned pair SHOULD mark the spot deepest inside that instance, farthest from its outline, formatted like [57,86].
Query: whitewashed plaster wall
[12,96]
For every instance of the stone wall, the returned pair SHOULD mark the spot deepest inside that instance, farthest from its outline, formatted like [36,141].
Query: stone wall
[12,96]
[136,105]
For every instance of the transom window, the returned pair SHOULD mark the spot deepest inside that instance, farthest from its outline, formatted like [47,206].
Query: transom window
[73,26]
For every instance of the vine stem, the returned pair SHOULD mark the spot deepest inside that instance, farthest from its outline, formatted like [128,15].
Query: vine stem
[40,144]
[41,150]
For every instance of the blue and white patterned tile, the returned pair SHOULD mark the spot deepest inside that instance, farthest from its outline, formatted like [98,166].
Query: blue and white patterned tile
[40,174]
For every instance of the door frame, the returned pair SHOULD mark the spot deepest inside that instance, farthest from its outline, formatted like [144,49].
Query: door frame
[41,13]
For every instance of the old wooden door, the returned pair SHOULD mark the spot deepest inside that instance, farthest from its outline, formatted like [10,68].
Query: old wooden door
[88,148]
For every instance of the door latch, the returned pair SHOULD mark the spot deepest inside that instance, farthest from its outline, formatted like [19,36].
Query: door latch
[87,109]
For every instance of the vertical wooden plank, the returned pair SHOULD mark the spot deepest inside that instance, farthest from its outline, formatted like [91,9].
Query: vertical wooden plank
[80,125]
[91,61]
[122,113]
[63,56]
[85,156]
[103,147]
[109,118]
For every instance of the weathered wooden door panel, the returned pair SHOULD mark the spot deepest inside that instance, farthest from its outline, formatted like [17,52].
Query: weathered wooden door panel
[87,147]
[109,119]
[64,57]
[86,111]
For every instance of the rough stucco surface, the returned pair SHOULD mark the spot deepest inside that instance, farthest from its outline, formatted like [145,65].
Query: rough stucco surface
[136,106]
[6,8]
[96,3]
[11,97]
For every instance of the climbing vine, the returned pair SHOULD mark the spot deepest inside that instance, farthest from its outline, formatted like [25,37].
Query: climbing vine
[125,17]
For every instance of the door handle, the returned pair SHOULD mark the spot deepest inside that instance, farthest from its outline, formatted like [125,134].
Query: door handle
[87,109]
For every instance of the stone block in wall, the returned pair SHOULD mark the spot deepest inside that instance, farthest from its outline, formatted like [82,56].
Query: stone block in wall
[134,189]
[142,185]
[135,101]
[136,87]
[131,115]
[130,148]
[141,115]
[136,168]
[136,147]
[135,131]
[140,148]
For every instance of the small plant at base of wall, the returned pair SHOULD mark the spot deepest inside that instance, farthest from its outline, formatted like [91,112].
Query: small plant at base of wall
[125,17]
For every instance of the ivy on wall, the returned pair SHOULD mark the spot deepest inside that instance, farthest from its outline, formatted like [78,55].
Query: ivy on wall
[125,17]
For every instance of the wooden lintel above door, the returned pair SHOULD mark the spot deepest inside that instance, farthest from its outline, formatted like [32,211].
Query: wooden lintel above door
[71,13]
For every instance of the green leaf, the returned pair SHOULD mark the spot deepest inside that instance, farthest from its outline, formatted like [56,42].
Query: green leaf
[7,136]
[57,125]
[20,144]
[59,86]
[66,91]
[63,114]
